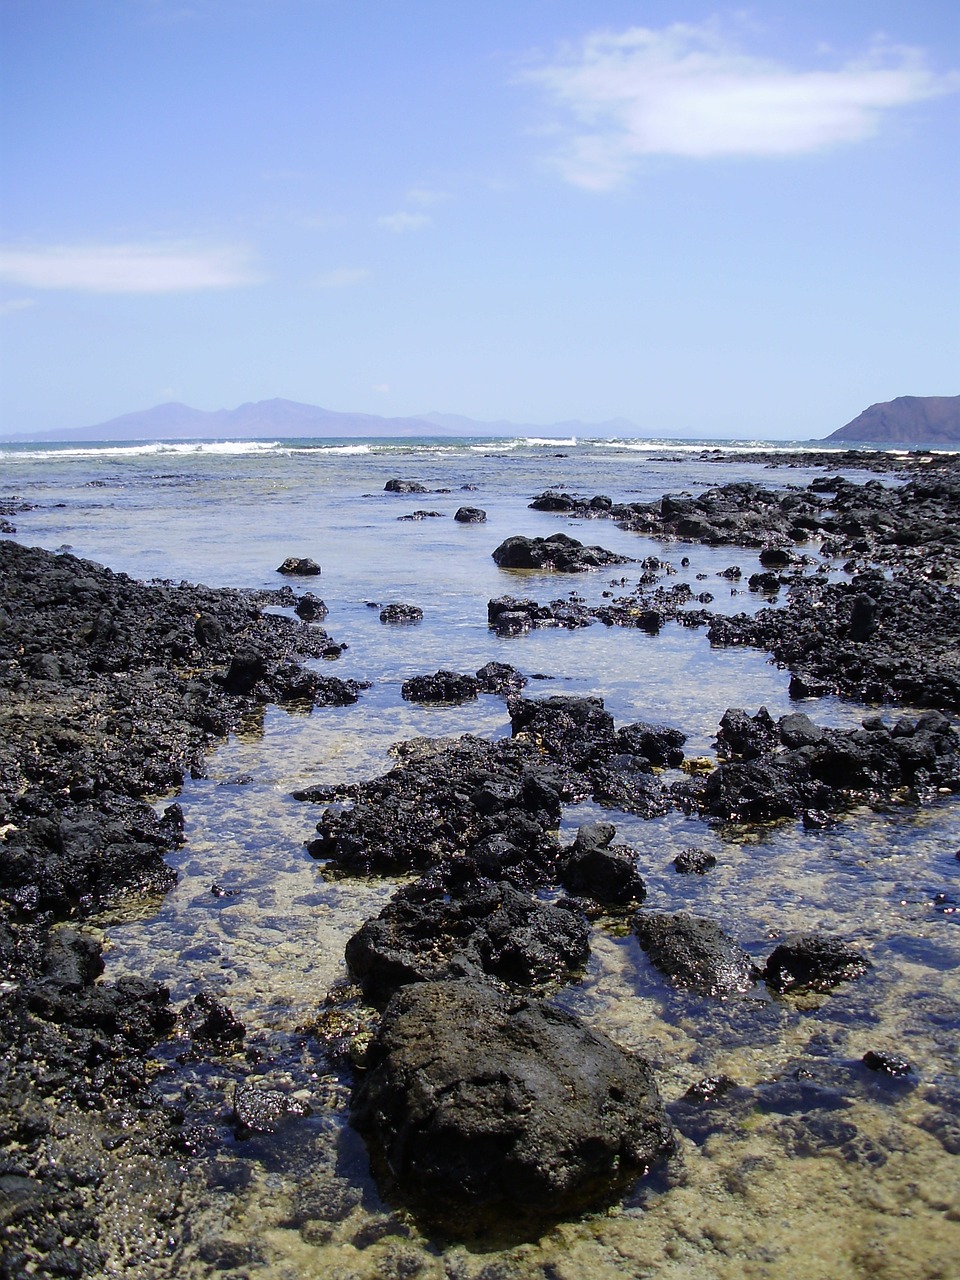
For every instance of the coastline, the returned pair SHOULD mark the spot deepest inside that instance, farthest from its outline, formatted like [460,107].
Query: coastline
[171,669]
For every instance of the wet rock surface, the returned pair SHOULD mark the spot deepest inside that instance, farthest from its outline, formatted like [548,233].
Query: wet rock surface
[470,515]
[814,962]
[485,1108]
[694,953]
[816,770]
[493,930]
[399,613]
[444,686]
[595,868]
[559,552]
[299,567]
[874,639]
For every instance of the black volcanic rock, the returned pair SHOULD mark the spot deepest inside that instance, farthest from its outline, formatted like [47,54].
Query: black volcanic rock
[486,1108]
[917,420]
[559,552]
[694,953]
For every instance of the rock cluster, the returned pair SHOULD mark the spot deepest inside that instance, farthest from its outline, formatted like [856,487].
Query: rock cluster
[110,692]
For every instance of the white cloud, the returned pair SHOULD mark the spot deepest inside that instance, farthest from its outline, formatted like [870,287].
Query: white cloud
[428,195]
[127,268]
[12,305]
[686,91]
[343,277]
[381,388]
[403,221]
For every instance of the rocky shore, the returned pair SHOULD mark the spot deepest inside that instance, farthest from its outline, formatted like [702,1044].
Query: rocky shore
[484,1106]
[111,692]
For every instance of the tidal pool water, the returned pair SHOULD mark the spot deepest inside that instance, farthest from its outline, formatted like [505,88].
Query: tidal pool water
[780,1184]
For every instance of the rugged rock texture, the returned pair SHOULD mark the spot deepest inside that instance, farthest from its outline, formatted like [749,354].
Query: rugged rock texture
[444,686]
[401,614]
[872,639]
[911,525]
[815,962]
[157,670]
[909,420]
[470,808]
[110,692]
[482,1109]
[595,868]
[424,935]
[558,552]
[694,953]
[812,769]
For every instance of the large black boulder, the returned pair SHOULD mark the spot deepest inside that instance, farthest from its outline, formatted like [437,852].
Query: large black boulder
[483,1109]
[607,873]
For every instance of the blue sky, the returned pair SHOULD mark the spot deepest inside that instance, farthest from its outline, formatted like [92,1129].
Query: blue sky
[711,221]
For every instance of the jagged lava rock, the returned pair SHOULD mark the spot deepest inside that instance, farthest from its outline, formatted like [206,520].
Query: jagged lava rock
[444,686]
[558,552]
[424,935]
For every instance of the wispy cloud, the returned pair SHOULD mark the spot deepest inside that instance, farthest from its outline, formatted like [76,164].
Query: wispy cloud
[127,268]
[402,221]
[343,278]
[428,195]
[12,305]
[688,91]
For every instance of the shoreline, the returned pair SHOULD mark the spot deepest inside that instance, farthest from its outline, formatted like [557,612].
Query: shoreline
[158,674]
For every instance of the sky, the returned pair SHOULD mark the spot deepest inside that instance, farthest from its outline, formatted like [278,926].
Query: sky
[710,221]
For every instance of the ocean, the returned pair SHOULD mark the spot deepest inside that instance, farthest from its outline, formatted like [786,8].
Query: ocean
[868,1187]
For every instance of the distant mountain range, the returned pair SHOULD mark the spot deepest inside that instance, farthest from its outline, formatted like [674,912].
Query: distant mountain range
[909,420]
[287,419]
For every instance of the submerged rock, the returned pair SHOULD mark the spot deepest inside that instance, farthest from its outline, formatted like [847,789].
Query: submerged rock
[401,613]
[484,1109]
[694,953]
[694,862]
[814,962]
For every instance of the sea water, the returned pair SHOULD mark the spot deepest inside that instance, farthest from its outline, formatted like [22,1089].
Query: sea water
[755,1199]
